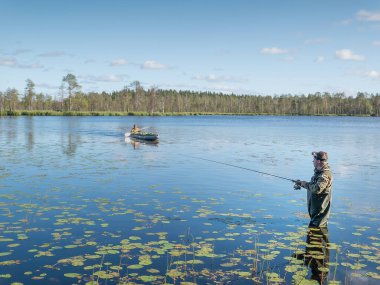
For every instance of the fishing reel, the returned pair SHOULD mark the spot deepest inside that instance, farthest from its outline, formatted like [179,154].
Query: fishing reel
[297,185]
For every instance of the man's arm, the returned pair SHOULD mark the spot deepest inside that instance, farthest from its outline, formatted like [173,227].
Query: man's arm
[319,186]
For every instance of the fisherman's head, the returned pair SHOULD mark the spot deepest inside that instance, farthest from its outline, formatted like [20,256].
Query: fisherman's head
[320,158]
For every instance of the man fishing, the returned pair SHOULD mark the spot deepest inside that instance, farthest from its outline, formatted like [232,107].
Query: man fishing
[319,190]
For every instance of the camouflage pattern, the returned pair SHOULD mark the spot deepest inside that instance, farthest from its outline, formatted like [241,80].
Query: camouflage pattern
[319,191]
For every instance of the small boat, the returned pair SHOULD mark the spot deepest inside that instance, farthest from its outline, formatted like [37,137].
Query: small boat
[144,136]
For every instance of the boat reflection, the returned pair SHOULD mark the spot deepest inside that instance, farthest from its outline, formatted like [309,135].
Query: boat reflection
[136,143]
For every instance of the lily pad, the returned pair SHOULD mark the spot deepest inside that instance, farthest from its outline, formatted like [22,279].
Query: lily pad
[73,275]
[135,266]
[148,278]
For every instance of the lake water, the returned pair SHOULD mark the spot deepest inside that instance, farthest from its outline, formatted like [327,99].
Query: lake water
[82,204]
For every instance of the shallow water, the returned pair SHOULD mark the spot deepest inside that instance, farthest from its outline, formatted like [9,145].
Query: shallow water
[81,204]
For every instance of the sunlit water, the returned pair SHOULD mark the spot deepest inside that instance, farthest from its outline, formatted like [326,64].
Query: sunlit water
[82,204]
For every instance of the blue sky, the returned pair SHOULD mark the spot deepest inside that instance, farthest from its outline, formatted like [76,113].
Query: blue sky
[243,47]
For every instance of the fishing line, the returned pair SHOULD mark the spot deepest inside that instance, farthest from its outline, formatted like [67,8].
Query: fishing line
[245,168]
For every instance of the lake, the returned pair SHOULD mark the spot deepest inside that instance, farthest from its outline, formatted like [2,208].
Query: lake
[82,204]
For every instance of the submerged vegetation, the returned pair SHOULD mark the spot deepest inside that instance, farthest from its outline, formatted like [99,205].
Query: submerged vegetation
[135,100]
[139,239]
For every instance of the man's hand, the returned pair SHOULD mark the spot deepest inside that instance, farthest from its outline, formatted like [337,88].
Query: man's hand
[297,185]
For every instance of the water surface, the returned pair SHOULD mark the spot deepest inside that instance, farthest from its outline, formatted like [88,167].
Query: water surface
[81,204]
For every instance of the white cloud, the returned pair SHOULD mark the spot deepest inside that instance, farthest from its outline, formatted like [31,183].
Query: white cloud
[368,16]
[8,62]
[102,78]
[30,66]
[376,43]
[119,62]
[222,88]
[346,54]
[217,78]
[11,62]
[373,74]
[152,64]
[319,59]
[273,50]
[111,78]
[46,86]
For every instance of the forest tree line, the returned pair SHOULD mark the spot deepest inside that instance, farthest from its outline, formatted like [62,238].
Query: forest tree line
[134,99]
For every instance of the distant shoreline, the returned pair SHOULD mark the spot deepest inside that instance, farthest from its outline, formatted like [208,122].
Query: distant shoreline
[156,114]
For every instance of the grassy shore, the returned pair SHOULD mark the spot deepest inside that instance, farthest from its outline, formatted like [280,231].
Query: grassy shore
[96,113]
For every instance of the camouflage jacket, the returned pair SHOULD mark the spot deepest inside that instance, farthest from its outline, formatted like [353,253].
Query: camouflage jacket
[319,191]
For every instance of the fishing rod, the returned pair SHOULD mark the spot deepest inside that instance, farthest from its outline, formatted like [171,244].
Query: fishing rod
[245,168]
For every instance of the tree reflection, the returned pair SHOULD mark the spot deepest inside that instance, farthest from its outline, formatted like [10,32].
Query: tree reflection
[71,145]
[11,130]
[29,127]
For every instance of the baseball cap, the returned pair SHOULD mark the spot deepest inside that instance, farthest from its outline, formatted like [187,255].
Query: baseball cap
[320,155]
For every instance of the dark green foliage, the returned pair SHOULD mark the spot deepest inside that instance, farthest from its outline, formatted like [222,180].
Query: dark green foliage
[158,102]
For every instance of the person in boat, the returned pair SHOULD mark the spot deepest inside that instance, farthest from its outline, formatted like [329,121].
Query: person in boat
[319,190]
[135,129]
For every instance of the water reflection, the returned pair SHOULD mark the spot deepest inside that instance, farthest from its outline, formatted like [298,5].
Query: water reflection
[29,129]
[70,145]
[61,187]
[136,143]
[317,254]
[11,130]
